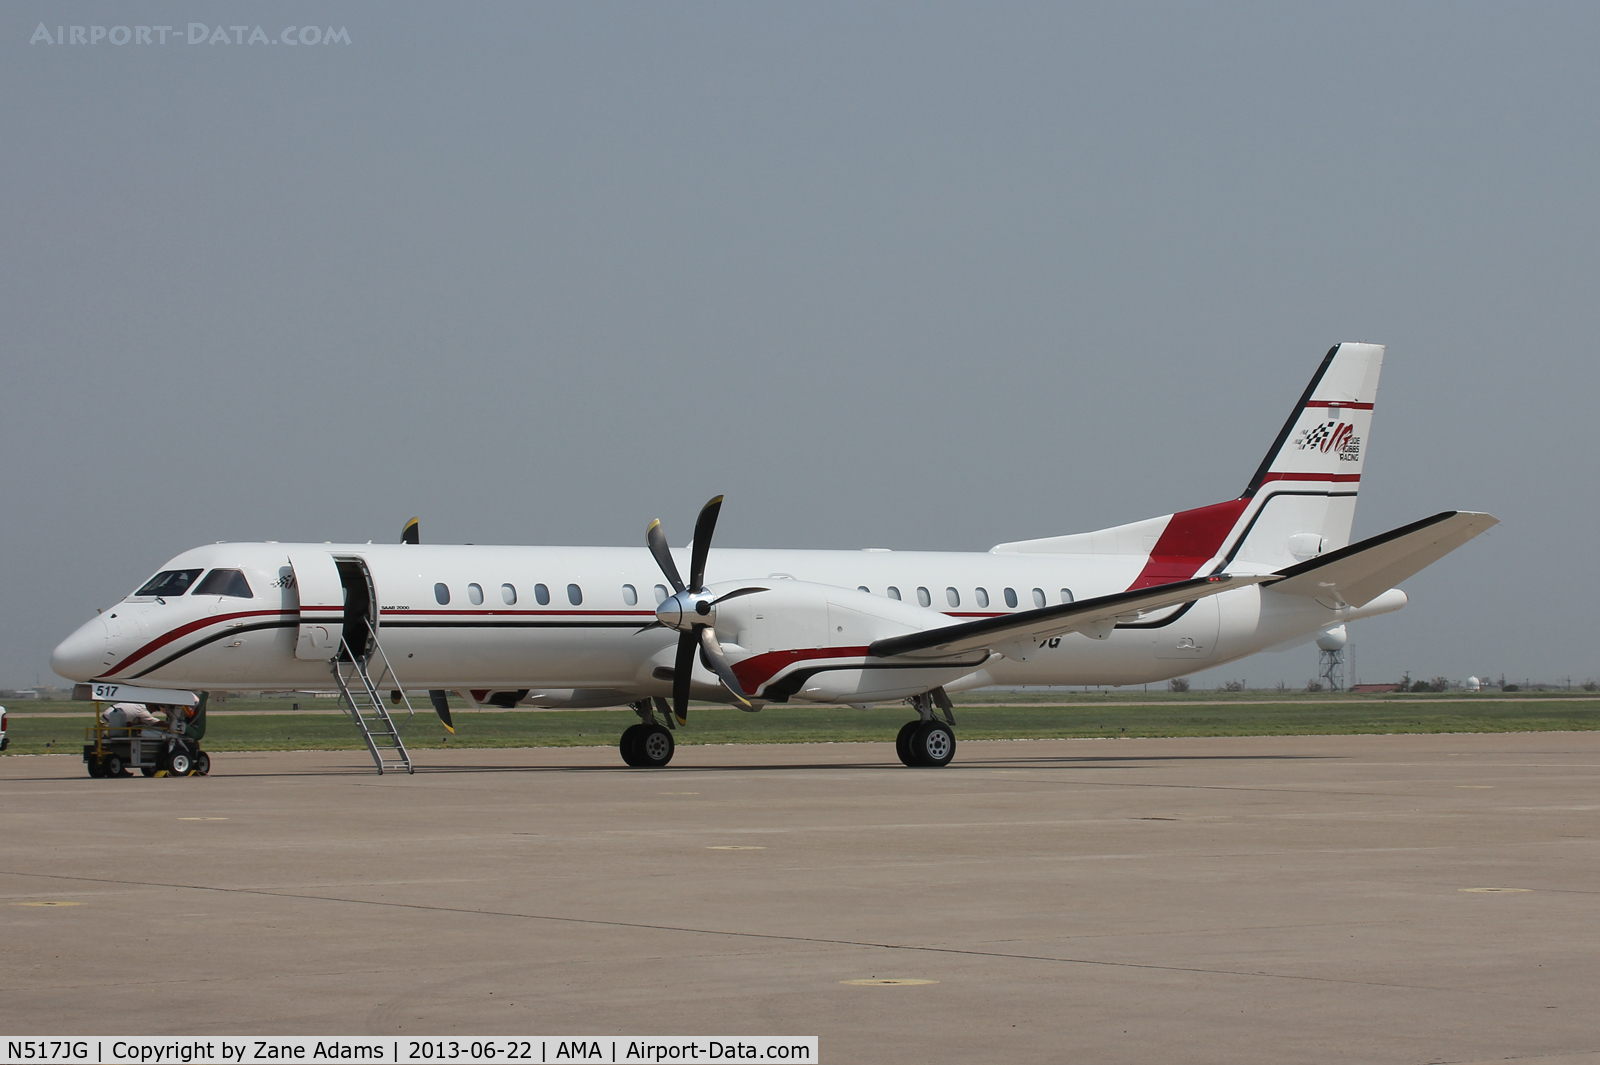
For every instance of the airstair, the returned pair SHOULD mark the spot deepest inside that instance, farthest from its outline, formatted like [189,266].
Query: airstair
[361,694]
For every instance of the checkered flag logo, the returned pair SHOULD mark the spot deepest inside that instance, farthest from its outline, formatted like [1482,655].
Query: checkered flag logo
[1313,437]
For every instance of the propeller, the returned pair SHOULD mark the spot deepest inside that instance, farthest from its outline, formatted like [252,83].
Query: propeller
[412,534]
[441,706]
[692,611]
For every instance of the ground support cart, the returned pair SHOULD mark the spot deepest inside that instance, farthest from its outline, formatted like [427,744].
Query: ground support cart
[169,749]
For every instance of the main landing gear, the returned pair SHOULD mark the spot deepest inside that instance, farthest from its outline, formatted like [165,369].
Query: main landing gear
[649,744]
[927,741]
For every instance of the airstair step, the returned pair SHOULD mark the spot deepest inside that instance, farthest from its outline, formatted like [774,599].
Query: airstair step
[361,697]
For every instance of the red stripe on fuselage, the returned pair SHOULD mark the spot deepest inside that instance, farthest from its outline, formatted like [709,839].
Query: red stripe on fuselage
[1190,540]
[1339,478]
[184,630]
[518,613]
[758,669]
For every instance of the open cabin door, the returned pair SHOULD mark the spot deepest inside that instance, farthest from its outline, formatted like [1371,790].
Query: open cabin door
[316,575]
[360,607]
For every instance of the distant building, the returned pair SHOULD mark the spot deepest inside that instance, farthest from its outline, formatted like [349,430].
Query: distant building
[1373,689]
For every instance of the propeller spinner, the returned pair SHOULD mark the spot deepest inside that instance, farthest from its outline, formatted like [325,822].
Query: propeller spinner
[692,610]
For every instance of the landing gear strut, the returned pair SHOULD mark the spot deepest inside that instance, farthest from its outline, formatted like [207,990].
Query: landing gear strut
[649,744]
[927,741]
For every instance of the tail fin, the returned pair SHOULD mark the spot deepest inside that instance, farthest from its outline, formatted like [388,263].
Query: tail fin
[1303,496]
[1300,503]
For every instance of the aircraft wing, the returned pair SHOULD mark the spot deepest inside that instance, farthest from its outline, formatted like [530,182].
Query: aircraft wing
[1101,612]
[1363,571]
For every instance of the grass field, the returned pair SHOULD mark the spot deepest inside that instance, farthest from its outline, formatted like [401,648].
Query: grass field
[263,725]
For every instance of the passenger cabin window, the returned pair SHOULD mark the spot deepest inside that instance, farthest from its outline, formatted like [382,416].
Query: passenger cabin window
[574,595]
[1038,597]
[1066,595]
[863,588]
[923,598]
[661,594]
[170,582]
[475,593]
[952,597]
[508,594]
[630,594]
[225,582]
[894,593]
[1011,598]
[542,594]
[441,593]
[981,595]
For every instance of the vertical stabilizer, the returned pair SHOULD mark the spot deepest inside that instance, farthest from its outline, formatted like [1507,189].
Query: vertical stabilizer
[1304,493]
[1300,503]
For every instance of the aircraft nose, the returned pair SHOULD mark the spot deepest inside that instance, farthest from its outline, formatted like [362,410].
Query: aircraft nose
[82,656]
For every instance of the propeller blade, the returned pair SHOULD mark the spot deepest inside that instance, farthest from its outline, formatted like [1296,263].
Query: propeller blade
[410,534]
[657,542]
[441,706]
[682,668]
[704,526]
[713,650]
[663,709]
[647,628]
[736,594]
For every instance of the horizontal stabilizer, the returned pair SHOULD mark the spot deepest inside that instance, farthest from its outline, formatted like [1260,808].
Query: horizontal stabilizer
[1042,624]
[1360,573]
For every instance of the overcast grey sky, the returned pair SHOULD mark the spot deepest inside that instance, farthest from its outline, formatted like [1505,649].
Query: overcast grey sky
[915,276]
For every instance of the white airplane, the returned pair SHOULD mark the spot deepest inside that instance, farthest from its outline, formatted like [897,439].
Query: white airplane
[604,626]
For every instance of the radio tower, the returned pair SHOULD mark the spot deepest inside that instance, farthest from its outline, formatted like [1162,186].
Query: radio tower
[1331,665]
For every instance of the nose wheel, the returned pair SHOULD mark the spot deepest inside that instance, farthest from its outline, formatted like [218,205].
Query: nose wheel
[649,744]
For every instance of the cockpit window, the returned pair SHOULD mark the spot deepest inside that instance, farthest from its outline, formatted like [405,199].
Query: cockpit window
[170,582]
[225,582]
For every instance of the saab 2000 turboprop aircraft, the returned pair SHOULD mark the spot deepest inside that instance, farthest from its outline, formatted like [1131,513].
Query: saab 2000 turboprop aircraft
[573,626]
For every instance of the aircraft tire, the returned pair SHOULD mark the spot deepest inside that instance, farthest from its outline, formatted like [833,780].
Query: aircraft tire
[628,744]
[933,744]
[179,764]
[654,747]
[902,743]
[202,764]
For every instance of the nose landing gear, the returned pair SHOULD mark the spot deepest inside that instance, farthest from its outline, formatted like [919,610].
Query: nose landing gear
[649,744]
[927,741]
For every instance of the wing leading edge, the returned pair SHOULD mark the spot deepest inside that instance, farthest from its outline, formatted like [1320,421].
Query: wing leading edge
[1042,624]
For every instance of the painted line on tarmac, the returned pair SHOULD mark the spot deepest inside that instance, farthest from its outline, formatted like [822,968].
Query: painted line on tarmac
[888,982]
[593,922]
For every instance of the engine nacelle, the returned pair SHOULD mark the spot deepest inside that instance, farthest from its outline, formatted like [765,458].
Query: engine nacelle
[804,641]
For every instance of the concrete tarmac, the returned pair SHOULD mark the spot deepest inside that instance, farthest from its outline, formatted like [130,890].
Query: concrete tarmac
[1302,899]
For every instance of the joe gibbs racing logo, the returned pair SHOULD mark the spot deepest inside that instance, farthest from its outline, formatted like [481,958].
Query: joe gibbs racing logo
[1332,437]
